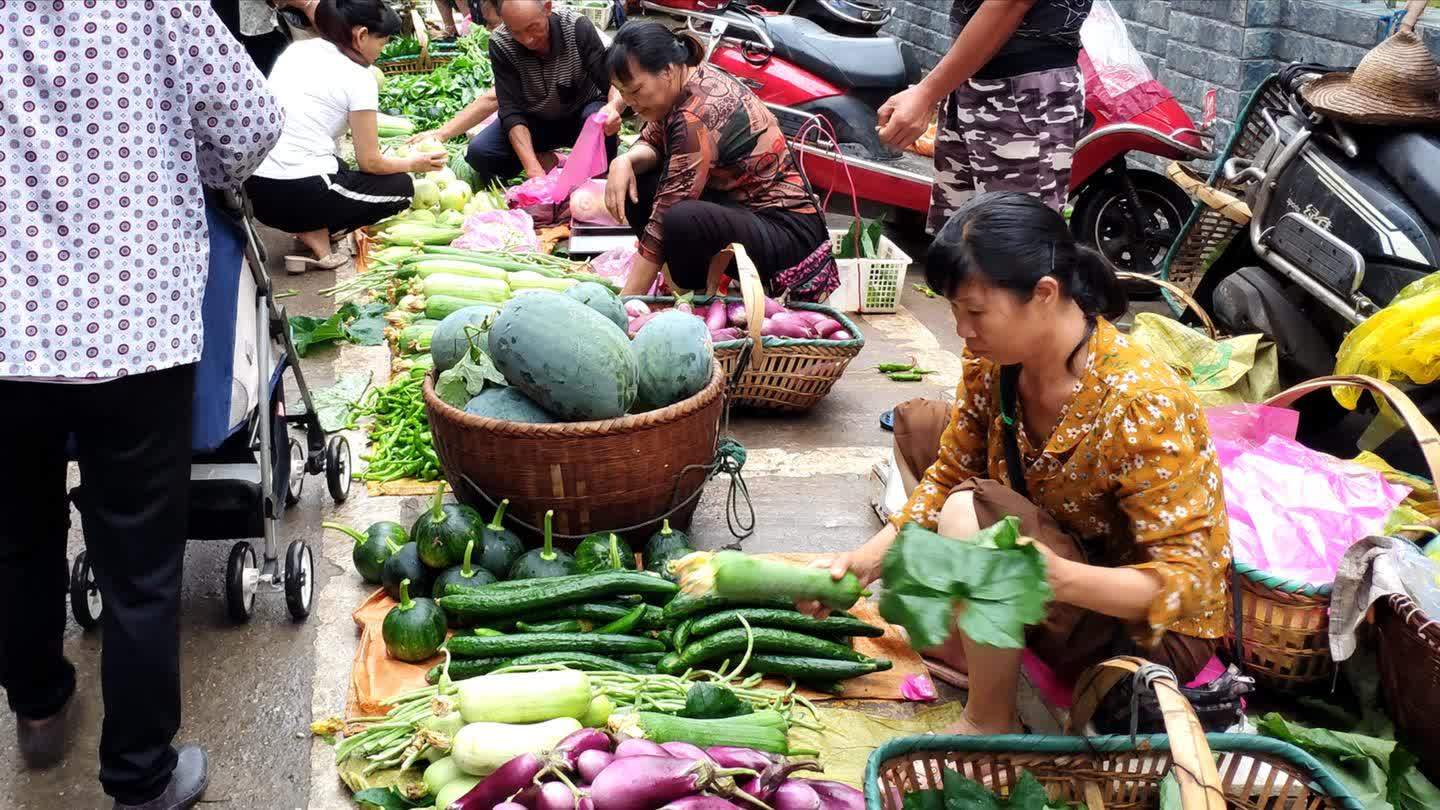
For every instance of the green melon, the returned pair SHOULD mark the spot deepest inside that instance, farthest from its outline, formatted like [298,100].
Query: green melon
[507,404]
[451,339]
[599,298]
[568,358]
[675,358]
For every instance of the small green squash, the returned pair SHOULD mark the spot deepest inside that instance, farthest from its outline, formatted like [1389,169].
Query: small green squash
[440,534]
[463,577]
[543,562]
[405,564]
[604,552]
[499,547]
[665,540]
[414,629]
[373,547]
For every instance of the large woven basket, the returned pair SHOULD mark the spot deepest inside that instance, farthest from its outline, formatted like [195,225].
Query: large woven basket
[606,475]
[1285,623]
[1409,645]
[423,62]
[779,374]
[1117,772]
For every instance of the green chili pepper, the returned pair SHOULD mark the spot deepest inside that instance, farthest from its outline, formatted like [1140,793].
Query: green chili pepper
[906,376]
[625,623]
[891,368]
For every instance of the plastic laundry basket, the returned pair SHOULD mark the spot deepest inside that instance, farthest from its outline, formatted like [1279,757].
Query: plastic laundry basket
[869,285]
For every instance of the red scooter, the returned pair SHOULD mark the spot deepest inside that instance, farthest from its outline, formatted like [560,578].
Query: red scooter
[818,84]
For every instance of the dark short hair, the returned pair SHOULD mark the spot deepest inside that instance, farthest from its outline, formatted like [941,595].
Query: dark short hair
[1012,240]
[653,47]
[336,19]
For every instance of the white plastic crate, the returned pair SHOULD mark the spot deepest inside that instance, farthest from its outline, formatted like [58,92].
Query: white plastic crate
[598,11]
[869,285]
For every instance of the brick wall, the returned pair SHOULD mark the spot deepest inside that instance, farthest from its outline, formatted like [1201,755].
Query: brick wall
[1193,45]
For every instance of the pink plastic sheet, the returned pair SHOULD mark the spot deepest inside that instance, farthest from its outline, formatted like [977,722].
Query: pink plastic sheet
[1293,511]
[499,230]
[585,161]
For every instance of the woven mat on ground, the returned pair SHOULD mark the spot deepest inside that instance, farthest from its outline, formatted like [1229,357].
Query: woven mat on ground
[404,486]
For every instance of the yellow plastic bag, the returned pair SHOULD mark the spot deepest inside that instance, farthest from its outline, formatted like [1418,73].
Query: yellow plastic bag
[1400,343]
[1236,370]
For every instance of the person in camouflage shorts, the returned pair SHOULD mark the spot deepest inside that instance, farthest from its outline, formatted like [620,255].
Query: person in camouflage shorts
[1008,134]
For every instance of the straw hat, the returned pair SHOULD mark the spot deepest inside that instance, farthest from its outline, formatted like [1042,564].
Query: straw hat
[1396,83]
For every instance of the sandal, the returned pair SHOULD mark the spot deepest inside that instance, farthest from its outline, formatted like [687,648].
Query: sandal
[296,265]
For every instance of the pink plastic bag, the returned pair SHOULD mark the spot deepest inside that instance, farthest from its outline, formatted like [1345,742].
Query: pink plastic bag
[1293,511]
[499,230]
[592,212]
[585,161]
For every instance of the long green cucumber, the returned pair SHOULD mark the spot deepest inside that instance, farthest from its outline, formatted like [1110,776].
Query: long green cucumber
[508,599]
[829,627]
[601,613]
[532,643]
[683,606]
[578,660]
[471,668]
[814,669]
[562,626]
[643,659]
[732,643]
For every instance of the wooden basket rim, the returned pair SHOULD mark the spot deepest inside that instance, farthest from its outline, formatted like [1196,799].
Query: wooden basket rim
[620,425]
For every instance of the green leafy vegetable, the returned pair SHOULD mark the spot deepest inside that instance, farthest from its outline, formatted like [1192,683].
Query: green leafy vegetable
[960,793]
[1380,773]
[467,378]
[863,236]
[389,799]
[334,404]
[360,324]
[1000,584]
[308,332]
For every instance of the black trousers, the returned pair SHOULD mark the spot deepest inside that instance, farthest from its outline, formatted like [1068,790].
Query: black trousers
[339,202]
[695,230]
[132,438]
[493,158]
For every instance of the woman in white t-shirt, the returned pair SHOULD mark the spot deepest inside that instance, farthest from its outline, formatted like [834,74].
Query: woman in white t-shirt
[325,87]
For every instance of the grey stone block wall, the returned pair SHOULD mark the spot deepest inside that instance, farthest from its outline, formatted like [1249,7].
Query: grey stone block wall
[1194,45]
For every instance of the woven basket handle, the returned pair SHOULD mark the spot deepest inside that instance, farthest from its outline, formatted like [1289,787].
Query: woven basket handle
[1191,760]
[752,291]
[1420,427]
[1179,292]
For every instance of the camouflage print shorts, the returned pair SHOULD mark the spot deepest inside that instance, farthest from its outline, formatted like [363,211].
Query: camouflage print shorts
[1012,134]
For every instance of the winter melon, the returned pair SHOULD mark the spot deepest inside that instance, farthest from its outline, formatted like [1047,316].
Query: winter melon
[675,356]
[451,339]
[599,298]
[571,360]
[507,404]
[465,172]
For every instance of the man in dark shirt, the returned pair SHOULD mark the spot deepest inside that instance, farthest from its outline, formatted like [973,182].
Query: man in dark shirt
[1011,102]
[550,76]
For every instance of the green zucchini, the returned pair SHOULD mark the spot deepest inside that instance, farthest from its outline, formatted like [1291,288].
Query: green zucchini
[732,643]
[578,660]
[684,605]
[652,618]
[509,599]
[643,659]
[814,670]
[829,627]
[531,643]
[562,626]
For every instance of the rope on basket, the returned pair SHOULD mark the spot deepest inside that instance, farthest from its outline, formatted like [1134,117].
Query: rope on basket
[729,459]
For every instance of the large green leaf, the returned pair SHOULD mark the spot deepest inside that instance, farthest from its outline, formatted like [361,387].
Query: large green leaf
[1379,772]
[308,332]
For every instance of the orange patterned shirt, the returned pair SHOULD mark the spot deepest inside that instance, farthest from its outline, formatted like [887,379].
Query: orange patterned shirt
[1129,470]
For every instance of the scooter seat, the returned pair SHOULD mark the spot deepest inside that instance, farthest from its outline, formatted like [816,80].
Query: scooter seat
[850,63]
[1412,160]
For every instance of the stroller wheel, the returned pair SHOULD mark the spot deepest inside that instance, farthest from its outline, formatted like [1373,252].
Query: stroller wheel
[337,468]
[295,487]
[242,577]
[85,600]
[299,579]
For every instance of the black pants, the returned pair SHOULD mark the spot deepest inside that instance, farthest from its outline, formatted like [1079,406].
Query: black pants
[695,230]
[493,158]
[132,438]
[339,202]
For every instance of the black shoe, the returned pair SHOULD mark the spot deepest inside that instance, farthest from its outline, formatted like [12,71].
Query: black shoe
[43,743]
[187,783]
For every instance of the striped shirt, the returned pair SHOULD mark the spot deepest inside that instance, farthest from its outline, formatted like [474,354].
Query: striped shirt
[551,87]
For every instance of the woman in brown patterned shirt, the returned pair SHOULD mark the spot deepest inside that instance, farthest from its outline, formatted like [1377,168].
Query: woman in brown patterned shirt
[711,168]
[1121,486]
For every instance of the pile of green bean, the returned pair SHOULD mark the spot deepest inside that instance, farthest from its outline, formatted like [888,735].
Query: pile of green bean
[400,441]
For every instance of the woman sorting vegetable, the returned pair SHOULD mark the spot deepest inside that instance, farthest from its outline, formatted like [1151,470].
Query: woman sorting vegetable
[325,86]
[1114,475]
[711,168]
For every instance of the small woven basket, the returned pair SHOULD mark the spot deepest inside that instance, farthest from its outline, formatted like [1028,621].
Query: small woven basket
[1285,623]
[423,62]
[1409,657]
[1116,772]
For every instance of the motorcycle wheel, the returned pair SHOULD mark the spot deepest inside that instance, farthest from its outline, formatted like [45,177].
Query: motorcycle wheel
[1102,220]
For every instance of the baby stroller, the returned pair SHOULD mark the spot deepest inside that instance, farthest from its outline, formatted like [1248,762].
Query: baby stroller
[239,420]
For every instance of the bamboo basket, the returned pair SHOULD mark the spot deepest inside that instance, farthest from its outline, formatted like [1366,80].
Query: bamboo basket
[1117,772]
[1285,623]
[772,373]
[424,62]
[1409,657]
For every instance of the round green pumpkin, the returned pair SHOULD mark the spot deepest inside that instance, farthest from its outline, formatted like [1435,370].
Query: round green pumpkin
[665,540]
[373,547]
[441,533]
[594,554]
[405,564]
[414,629]
[499,547]
[463,577]
[660,563]
[544,562]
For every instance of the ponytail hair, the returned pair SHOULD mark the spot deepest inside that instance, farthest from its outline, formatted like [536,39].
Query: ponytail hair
[652,47]
[336,21]
[1012,240]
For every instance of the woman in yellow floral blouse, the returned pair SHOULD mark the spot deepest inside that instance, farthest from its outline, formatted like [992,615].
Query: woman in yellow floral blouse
[1121,484]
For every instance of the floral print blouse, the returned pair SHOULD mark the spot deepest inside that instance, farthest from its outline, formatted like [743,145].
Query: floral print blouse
[1129,470]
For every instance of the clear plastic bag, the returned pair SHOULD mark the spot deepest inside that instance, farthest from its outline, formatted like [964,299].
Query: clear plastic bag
[1118,84]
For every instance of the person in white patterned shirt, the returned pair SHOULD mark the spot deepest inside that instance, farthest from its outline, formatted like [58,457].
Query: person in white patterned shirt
[114,117]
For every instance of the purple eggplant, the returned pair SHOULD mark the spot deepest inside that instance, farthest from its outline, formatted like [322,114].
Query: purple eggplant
[728,333]
[557,796]
[737,315]
[841,335]
[511,806]
[728,756]
[771,307]
[644,782]
[834,795]
[795,795]
[780,326]
[639,748]
[636,323]
[809,316]
[685,750]
[506,781]
[701,803]
[591,763]
[586,803]
[775,774]
[634,307]
[568,751]
[717,317]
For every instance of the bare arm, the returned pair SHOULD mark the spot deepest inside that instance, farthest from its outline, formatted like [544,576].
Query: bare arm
[472,116]
[367,150]
[525,150]
[1125,593]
